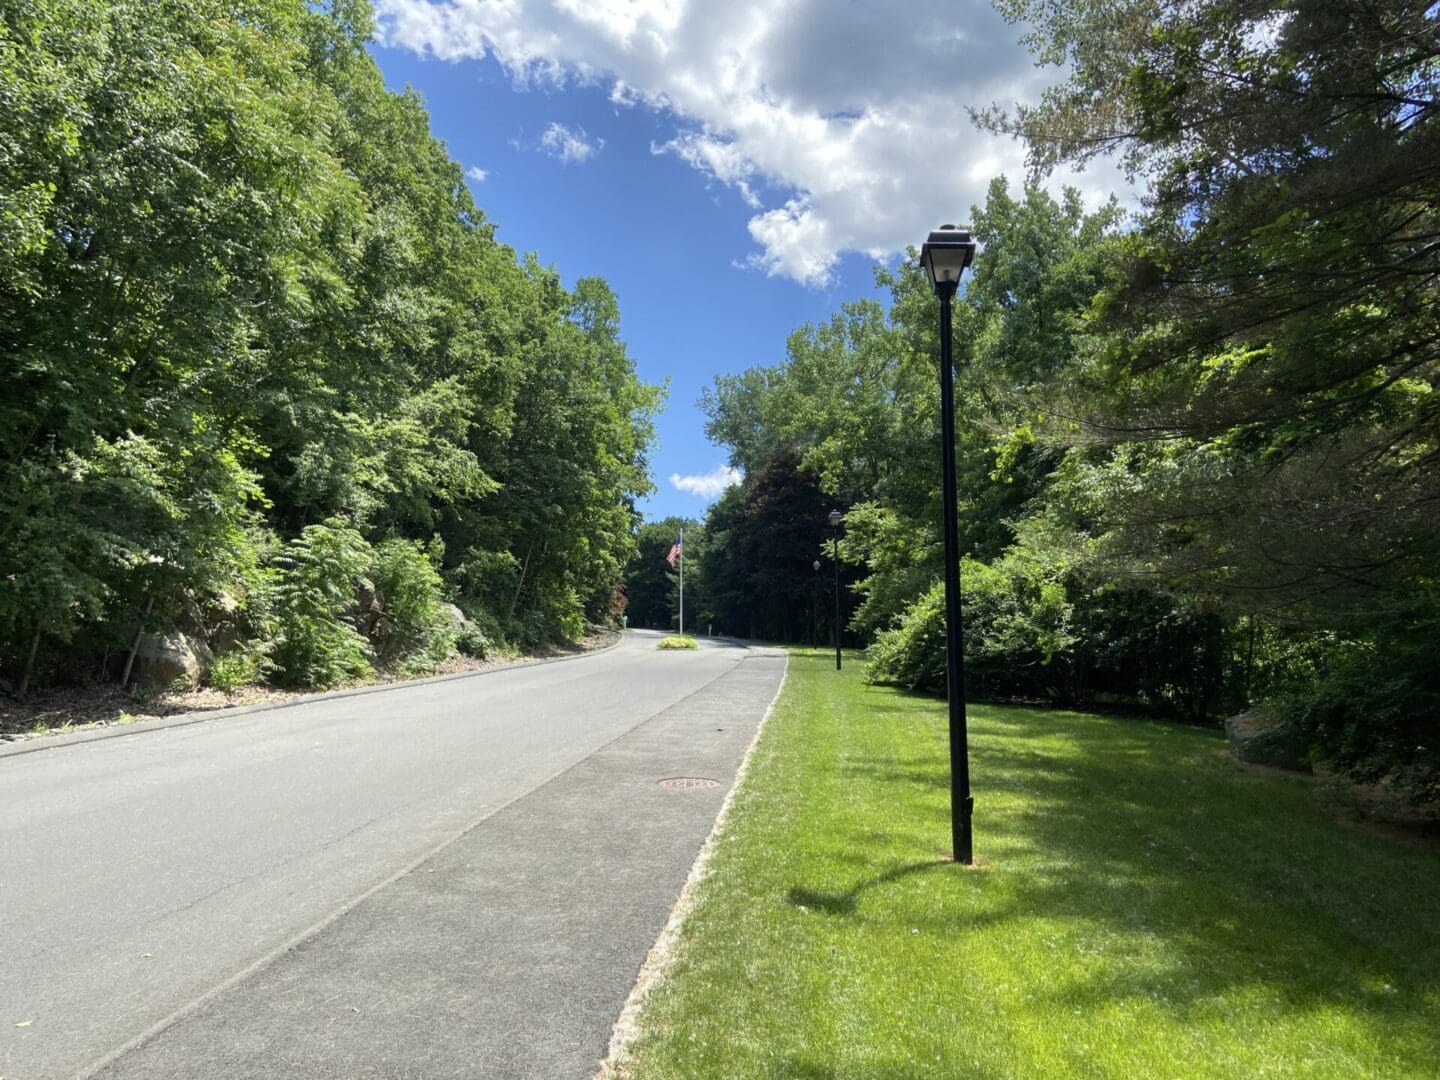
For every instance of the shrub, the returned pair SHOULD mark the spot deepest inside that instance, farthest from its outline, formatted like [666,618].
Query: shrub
[1150,647]
[912,653]
[249,663]
[1373,712]
[471,641]
[1016,622]
[1035,628]
[676,641]
[321,572]
[413,630]
[497,635]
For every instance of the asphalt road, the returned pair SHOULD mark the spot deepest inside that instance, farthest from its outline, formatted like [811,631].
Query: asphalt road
[452,879]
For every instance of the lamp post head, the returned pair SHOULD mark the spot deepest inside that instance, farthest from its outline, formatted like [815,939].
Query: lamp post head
[946,253]
[836,517]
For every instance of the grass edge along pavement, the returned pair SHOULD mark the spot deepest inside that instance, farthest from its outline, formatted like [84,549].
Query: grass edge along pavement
[656,966]
[1146,906]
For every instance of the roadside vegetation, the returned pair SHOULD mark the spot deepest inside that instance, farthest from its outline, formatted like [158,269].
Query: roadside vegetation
[1144,906]
[277,406]
[677,641]
[1199,444]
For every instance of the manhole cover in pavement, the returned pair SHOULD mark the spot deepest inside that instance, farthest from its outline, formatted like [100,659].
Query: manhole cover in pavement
[688,782]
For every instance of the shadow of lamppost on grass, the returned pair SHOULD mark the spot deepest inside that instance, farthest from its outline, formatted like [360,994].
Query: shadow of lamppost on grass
[1184,878]
[844,903]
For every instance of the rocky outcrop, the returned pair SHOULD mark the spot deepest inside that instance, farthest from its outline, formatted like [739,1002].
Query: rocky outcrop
[458,621]
[1261,738]
[364,613]
[163,659]
[470,640]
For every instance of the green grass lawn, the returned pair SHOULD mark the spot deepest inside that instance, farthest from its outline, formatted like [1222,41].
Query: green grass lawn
[1146,908]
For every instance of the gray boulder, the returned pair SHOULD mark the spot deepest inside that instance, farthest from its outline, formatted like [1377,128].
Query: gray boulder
[162,659]
[1261,738]
[470,640]
[364,613]
[458,622]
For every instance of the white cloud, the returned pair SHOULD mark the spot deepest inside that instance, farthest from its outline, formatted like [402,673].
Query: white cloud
[568,144]
[708,485]
[842,125]
[479,175]
[722,160]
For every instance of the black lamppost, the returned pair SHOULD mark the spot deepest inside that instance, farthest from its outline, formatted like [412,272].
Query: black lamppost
[815,606]
[835,518]
[945,255]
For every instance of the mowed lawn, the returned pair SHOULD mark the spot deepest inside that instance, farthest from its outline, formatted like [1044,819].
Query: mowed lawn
[1146,908]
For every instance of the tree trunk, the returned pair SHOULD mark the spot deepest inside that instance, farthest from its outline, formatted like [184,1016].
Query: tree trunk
[1250,658]
[29,664]
[135,645]
[519,585]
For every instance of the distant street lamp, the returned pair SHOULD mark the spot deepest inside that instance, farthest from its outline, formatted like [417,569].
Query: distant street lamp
[815,606]
[945,255]
[835,518]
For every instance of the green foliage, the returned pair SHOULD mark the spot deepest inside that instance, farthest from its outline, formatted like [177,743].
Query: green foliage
[677,641]
[471,641]
[1037,628]
[1370,706]
[857,399]
[411,629]
[757,567]
[720,583]
[317,643]
[912,652]
[1041,622]
[1255,413]
[488,632]
[240,667]
[246,290]
[1197,455]
[1017,627]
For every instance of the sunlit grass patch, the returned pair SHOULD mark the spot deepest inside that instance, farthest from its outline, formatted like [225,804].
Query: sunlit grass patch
[1145,907]
[677,641]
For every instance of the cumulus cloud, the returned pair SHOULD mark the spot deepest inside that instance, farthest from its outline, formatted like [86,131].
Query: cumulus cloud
[722,160]
[842,125]
[707,485]
[479,175]
[567,144]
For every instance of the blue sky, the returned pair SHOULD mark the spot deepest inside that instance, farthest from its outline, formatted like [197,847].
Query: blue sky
[733,170]
[666,238]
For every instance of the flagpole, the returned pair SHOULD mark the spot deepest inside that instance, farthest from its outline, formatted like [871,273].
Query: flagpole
[682,581]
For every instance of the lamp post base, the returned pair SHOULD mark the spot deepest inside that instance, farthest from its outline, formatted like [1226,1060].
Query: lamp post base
[962,836]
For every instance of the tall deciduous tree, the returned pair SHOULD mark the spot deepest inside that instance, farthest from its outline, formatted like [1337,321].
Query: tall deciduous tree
[243,292]
[1271,350]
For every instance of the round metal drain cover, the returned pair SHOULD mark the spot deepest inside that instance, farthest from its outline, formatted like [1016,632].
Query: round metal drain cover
[689,782]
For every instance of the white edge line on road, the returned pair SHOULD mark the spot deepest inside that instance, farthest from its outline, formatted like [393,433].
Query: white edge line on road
[658,961]
[255,966]
[36,743]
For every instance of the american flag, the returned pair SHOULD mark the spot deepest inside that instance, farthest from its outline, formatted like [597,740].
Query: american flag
[675,551]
